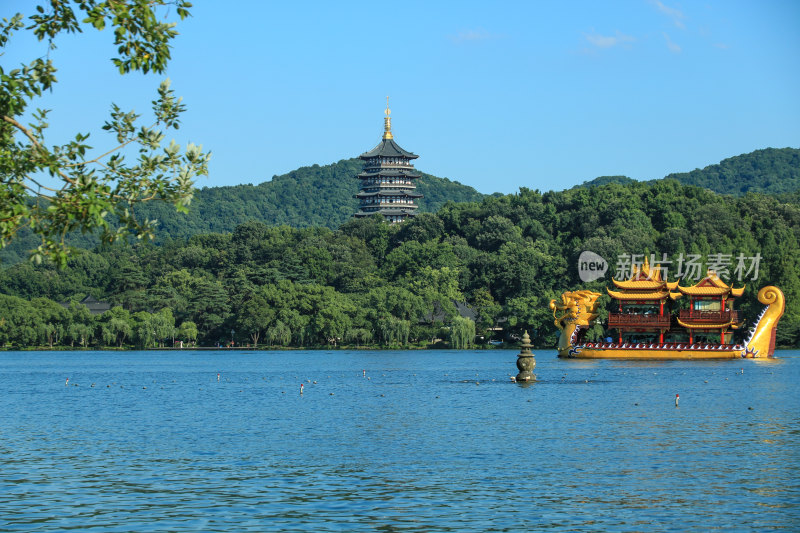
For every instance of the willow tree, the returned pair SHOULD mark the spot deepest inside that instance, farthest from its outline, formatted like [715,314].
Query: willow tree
[56,189]
[462,333]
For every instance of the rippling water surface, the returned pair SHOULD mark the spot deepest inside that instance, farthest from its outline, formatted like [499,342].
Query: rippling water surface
[427,441]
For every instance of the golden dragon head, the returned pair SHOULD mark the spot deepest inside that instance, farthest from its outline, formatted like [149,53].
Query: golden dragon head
[576,308]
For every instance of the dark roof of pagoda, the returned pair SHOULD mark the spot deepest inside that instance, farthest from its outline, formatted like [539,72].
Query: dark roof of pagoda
[408,211]
[389,173]
[387,212]
[388,148]
[389,192]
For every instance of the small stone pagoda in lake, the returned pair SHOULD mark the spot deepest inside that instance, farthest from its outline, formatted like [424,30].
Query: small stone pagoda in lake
[387,180]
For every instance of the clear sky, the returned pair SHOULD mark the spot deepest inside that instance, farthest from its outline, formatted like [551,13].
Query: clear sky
[497,95]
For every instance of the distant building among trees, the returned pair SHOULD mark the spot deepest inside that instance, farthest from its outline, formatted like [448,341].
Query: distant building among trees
[387,180]
[95,306]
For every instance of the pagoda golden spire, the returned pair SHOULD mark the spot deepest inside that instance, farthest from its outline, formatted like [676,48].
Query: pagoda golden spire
[387,122]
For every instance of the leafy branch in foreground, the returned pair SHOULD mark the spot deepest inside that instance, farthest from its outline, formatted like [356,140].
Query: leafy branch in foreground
[53,190]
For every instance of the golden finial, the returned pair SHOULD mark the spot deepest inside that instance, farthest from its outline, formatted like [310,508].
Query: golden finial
[387,122]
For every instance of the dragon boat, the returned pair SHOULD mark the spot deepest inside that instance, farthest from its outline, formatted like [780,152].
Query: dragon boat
[648,323]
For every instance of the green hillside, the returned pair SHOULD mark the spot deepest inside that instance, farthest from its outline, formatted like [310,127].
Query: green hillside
[320,196]
[768,171]
[605,180]
[315,196]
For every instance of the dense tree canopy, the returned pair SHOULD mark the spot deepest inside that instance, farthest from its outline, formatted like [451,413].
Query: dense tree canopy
[373,283]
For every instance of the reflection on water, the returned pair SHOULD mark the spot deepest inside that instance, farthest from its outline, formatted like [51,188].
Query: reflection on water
[425,441]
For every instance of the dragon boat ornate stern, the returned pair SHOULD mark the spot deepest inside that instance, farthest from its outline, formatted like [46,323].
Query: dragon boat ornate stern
[762,336]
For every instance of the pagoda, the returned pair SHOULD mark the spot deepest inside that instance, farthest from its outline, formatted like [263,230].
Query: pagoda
[640,304]
[387,179]
[710,310]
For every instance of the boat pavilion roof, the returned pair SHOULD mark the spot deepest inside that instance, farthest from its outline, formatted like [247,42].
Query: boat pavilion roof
[712,286]
[645,283]
[645,278]
[642,295]
[690,325]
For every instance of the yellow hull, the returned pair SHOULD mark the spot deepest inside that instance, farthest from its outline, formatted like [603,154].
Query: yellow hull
[656,353]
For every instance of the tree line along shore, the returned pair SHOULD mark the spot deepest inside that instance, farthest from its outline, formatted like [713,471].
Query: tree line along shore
[470,273]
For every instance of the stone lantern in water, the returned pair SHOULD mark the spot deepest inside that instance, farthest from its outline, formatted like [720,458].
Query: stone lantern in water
[525,360]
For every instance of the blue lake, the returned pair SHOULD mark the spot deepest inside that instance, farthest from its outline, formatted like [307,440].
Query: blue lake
[427,441]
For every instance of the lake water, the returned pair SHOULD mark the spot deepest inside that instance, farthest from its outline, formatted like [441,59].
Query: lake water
[427,441]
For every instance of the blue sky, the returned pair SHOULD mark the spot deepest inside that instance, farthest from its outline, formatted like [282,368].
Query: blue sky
[496,95]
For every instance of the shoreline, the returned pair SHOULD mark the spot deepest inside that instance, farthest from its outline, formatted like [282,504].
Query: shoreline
[249,348]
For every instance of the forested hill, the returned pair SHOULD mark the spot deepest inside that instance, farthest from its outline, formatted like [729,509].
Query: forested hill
[768,171]
[605,180]
[315,196]
[323,195]
[306,197]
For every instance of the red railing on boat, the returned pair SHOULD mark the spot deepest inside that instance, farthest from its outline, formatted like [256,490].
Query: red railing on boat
[708,317]
[665,346]
[616,320]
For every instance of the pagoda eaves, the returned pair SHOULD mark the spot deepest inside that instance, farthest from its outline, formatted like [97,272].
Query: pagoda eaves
[388,148]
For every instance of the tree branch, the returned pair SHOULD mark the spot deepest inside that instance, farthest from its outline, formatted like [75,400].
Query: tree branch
[24,130]
[35,143]
[98,158]
[40,186]
[37,193]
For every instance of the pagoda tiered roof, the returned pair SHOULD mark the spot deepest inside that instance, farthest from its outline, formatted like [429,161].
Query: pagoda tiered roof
[712,286]
[389,192]
[389,173]
[407,211]
[388,148]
